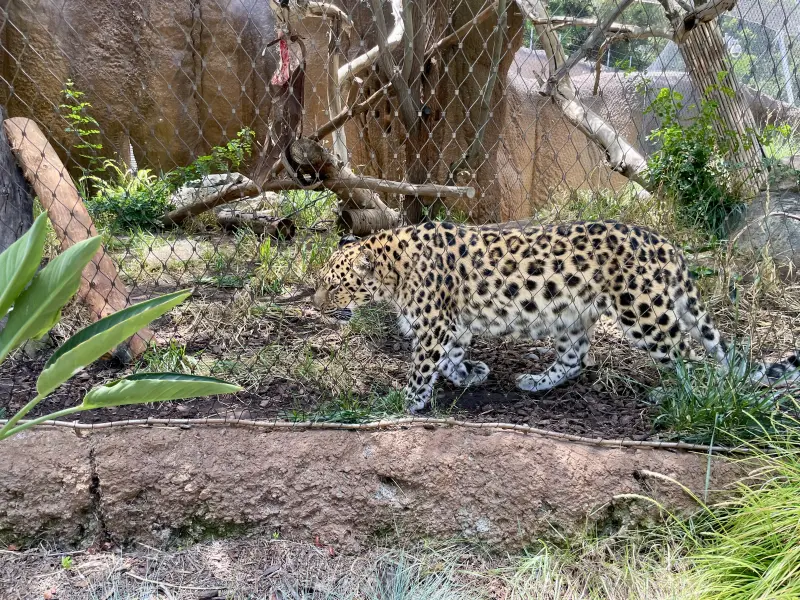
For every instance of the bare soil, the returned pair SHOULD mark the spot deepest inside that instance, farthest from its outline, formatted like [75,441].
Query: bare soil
[608,400]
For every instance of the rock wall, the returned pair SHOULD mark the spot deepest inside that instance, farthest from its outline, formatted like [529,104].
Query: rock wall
[164,485]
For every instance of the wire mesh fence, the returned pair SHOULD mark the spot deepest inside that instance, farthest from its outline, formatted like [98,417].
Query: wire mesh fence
[228,147]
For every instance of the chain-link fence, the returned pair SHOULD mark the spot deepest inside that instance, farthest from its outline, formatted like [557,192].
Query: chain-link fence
[228,146]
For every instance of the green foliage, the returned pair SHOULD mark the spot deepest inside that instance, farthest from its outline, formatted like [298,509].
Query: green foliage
[171,357]
[82,125]
[348,407]
[128,201]
[221,159]
[35,301]
[690,165]
[66,562]
[700,404]
[750,545]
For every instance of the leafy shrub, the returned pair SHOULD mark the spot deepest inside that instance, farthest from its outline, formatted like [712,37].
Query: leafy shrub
[690,165]
[33,303]
[128,201]
[221,159]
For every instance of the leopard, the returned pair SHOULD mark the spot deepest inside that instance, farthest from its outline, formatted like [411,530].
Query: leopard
[448,282]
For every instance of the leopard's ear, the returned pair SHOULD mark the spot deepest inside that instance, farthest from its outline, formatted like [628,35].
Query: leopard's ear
[364,264]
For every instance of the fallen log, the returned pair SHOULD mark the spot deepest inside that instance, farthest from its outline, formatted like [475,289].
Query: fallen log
[260,221]
[101,289]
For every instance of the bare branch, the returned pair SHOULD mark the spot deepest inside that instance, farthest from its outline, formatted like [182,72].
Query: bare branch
[593,39]
[408,112]
[401,187]
[366,60]
[348,113]
[621,155]
[324,9]
[620,29]
[458,35]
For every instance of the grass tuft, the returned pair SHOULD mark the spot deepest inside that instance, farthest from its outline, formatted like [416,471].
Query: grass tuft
[752,547]
[698,403]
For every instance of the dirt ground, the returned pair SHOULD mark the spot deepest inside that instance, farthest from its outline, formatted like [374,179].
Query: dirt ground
[275,569]
[240,325]
[609,400]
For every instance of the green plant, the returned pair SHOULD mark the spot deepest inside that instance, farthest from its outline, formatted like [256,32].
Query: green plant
[128,201]
[699,403]
[221,159]
[749,546]
[33,302]
[172,357]
[66,562]
[348,407]
[83,126]
[690,165]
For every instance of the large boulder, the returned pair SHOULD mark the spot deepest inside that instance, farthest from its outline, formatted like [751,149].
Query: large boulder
[771,223]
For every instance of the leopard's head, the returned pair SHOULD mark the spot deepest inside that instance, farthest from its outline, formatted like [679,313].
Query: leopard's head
[347,281]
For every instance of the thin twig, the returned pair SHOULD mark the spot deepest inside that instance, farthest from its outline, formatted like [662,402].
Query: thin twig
[399,422]
[171,585]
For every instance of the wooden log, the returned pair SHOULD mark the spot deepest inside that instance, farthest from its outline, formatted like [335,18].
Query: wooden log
[101,289]
[16,203]
[366,221]
[260,221]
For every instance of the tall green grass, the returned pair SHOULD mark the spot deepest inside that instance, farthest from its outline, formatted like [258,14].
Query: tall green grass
[750,548]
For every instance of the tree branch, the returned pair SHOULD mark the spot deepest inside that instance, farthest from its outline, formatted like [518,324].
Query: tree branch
[702,14]
[364,61]
[622,157]
[459,35]
[324,9]
[590,42]
[621,29]
[350,112]
[408,108]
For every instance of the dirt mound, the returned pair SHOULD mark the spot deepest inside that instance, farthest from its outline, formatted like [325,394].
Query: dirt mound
[162,485]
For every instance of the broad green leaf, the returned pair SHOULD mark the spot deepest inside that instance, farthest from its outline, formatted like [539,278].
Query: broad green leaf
[91,343]
[154,387]
[36,309]
[18,263]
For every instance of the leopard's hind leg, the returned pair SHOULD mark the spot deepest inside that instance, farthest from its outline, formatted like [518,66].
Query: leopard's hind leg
[572,347]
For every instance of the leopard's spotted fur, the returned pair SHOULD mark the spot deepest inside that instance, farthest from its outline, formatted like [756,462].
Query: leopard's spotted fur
[449,282]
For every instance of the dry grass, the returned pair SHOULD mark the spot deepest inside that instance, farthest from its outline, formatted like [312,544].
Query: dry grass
[279,570]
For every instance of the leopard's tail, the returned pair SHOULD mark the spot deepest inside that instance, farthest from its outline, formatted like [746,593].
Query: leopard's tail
[698,323]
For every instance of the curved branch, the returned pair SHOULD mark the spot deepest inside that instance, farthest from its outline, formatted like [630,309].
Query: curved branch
[348,71]
[622,156]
